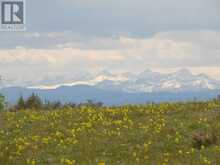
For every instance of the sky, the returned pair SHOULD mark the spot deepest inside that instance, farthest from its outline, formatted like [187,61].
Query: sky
[67,37]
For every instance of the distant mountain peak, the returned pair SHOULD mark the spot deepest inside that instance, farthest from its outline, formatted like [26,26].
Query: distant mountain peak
[184,71]
[147,81]
[148,72]
[105,72]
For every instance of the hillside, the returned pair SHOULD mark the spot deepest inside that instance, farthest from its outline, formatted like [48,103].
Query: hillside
[81,93]
[167,133]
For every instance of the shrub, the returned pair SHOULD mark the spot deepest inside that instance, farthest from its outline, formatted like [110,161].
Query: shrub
[34,102]
[20,103]
[52,105]
[204,138]
[2,102]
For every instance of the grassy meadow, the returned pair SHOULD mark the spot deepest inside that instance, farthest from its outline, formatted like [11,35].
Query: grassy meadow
[154,134]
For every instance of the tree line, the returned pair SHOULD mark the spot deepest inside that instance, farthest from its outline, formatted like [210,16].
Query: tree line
[34,102]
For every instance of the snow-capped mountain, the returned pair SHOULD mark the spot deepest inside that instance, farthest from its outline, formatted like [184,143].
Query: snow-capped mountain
[147,81]
[182,80]
[150,81]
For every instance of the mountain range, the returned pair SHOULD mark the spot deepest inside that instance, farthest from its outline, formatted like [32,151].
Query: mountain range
[146,82]
[125,88]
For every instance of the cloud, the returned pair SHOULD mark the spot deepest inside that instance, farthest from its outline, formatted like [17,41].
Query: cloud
[163,50]
[66,37]
[138,18]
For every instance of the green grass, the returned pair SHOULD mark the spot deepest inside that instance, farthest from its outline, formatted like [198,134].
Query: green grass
[177,133]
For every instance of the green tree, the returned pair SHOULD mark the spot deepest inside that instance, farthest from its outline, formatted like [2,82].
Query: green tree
[21,103]
[34,102]
[2,102]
